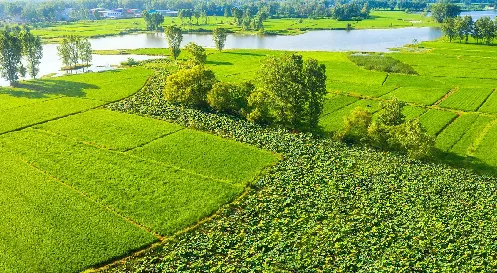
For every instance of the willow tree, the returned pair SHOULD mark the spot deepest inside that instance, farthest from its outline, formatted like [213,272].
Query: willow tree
[32,50]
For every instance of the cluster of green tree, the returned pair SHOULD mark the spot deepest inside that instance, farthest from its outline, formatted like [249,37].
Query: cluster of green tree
[174,37]
[442,11]
[153,20]
[247,20]
[388,131]
[18,44]
[289,91]
[483,30]
[51,10]
[75,52]
[352,11]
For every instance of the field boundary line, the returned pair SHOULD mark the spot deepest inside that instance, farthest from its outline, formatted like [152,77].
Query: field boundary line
[476,143]
[348,104]
[460,137]
[385,80]
[94,145]
[446,96]
[155,139]
[485,100]
[104,103]
[85,195]
[172,237]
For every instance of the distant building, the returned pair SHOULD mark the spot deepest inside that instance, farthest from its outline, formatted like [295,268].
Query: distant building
[112,14]
[166,12]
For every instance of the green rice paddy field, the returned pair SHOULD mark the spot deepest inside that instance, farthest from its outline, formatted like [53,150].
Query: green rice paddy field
[81,185]
[453,96]
[97,185]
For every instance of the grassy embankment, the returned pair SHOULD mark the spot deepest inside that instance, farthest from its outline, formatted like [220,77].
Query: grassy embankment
[447,94]
[82,186]
[379,19]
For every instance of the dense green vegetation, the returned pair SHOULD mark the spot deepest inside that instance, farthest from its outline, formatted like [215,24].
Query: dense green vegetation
[445,88]
[327,207]
[381,63]
[97,173]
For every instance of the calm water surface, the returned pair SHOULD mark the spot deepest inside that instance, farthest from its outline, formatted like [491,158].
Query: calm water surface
[478,14]
[379,40]
[322,40]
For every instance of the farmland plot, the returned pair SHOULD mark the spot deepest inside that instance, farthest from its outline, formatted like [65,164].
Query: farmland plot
[435,120]
[47,227]
[455,131]
[468,99]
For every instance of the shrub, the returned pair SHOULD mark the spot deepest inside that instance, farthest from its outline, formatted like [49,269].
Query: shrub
[381,63]
[230,98]
[356,126]
[189,86]
[198,53]
[130,62]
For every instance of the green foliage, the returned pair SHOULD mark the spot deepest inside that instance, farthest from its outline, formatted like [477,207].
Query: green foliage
[75,51]
[153,20]
[42,214]
[231,98]
[174,38]
[391,114]
[32,49]
[381,63]
[10,55]
[389,130]
[351,11]
[325,207]
[190,86]
[219,37]
[130,62]
[442,11]
[197,52]
[356,126]
[296,90]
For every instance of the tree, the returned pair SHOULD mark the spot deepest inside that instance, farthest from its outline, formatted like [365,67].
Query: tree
[315,83]
[10,55]
[238,14]
[85,51]
[356,126]
[486,29]
[230,98]
[189,86]
[295,89]
[32,49]
[174,38]
[391,114]
[467,27]
[449,28]
[64,53]
[443,11]
[198,53]
[219,36]
[153,20]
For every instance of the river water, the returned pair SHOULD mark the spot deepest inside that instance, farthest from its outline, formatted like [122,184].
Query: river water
[379,40]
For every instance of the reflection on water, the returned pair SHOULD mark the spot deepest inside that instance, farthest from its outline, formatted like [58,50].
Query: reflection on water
[322,40]
[379,40]
[478,14]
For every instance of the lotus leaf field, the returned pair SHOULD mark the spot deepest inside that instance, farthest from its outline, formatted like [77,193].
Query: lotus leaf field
[97,166]
[454,81]
[328,207]
[81,185]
